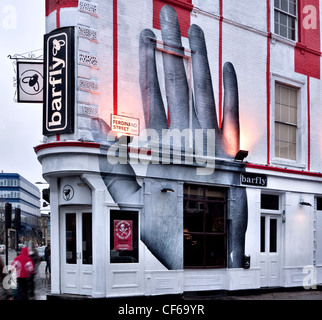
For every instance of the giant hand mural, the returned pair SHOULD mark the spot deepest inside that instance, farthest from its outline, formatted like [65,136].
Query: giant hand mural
[165,240]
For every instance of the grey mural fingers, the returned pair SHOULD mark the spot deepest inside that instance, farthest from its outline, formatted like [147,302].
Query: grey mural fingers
[176,83]
[230,124]
[154,112]
[238,219]
[203,91]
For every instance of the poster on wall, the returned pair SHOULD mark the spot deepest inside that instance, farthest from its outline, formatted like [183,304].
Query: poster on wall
[123,235]
[58,113]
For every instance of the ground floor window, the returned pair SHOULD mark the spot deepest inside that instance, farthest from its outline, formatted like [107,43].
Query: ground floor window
[124,236]
[205,238]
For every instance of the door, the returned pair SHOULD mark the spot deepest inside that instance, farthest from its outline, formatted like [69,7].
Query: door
[76,248]
[270,229]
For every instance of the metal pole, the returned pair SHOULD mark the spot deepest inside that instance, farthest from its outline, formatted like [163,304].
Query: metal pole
[7,261]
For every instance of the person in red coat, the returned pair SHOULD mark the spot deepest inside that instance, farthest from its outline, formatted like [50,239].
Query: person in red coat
[24,268]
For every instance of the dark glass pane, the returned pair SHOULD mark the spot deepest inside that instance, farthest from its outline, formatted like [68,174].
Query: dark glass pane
[215,217]
[215,194]
[193,216]
[262,234]
[273,235]
[283,19]
[277,3]
[318,203]
[270,202]
[284,5]
[87,239]
[276,17]
[215,251]
[283,31]
[193,192]
[291,22]
[292,8]
[193,250]
[124,236]
[277,30]
[71,238]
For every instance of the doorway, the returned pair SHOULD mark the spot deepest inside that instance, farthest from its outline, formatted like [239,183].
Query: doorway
[270,247]
[77,252]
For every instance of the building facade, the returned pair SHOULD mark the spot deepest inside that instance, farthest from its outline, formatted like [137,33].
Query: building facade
[22,194]
[150,109]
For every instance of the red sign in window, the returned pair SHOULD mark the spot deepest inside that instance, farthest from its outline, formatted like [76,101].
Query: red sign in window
[123,235]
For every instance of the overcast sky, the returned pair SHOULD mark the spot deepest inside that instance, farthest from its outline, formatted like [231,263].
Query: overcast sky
[22,26]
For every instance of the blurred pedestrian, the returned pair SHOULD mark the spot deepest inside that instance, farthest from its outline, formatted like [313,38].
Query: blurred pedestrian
[47,258]
[24,267]
[33,254]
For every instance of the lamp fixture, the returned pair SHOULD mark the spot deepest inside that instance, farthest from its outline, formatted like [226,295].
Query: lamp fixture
[167,190]
[303,203]
[241,155]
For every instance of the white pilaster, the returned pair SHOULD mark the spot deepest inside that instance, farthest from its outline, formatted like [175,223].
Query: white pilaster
[54,236]
[99,191]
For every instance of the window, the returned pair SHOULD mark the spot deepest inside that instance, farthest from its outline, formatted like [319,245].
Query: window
[269,201]
[204,227]
[319,204]
[285,18]
[285,122]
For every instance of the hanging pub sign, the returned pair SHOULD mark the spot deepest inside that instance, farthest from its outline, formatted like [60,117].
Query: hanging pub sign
[253,179]
[58,113]
[123,235]
[30,81]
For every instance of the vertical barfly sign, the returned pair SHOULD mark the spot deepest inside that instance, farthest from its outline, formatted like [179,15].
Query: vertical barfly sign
[58,113]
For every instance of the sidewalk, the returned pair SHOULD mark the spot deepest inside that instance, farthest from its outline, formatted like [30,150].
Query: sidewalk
[42,282]
[261,294]
[43,286]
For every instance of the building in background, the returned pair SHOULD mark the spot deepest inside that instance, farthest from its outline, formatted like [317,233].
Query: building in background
[22,194]
[45,228]
[178,207]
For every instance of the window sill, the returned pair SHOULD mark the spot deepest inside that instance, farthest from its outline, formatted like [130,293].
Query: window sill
[288,163]
[277,38]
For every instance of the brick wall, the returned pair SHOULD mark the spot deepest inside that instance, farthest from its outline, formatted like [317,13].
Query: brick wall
[242,38]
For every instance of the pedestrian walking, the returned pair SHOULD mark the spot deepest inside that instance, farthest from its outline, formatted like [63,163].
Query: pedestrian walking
[33,254]
[24,267]
[47,258]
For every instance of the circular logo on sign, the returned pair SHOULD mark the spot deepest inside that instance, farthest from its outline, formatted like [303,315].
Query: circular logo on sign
[31,82]
[68,192]
[123,229]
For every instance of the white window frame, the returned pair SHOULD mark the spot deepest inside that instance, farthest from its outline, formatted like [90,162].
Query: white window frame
[278,36]
[301,142]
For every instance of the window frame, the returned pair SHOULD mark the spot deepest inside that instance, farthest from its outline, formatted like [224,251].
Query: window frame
[287,123]
[288,14]
[207,234]
[300,86]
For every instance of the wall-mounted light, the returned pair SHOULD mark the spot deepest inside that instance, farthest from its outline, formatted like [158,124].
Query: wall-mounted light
[167,190]
[241,155]
[303,203]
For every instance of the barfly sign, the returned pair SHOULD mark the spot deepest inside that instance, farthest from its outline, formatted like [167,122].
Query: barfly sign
[58,115]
